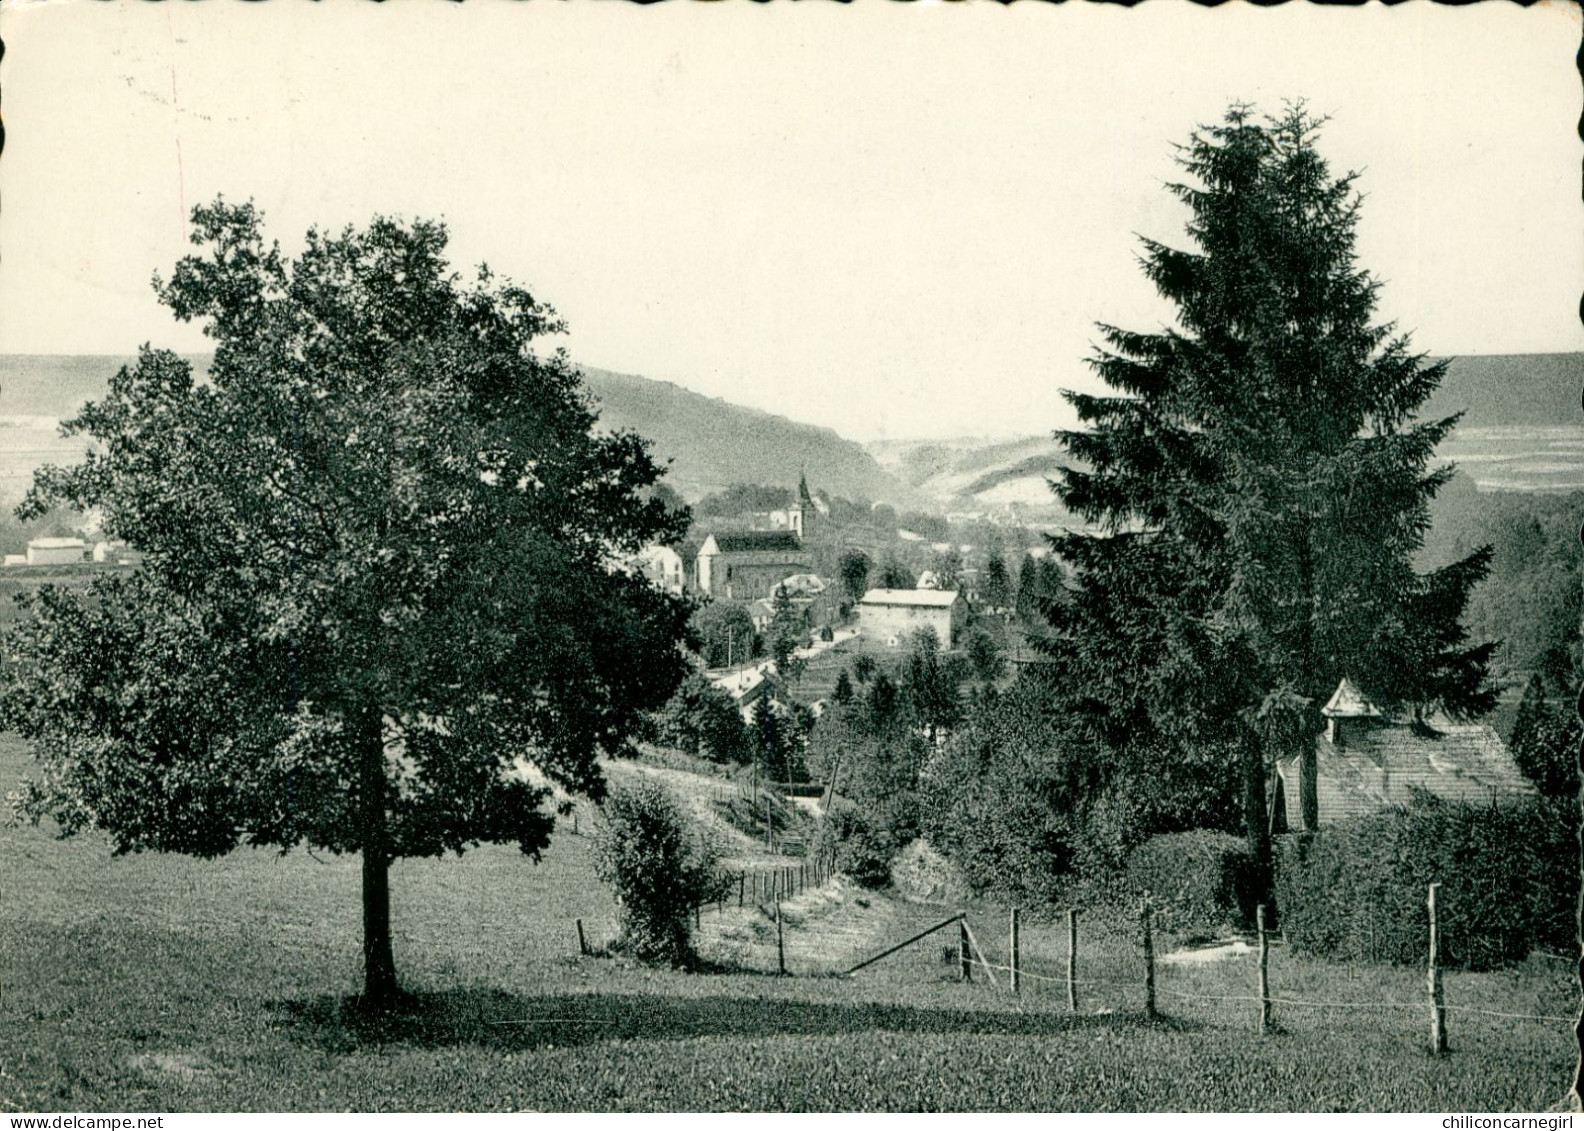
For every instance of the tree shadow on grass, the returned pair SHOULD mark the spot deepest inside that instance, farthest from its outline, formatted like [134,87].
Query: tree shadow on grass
[496,1019]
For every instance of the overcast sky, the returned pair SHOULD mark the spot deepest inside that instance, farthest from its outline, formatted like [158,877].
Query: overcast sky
[895,220]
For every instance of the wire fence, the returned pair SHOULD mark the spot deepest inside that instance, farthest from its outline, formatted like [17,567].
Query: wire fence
[1140,979]
[1112,972]
[1236,979]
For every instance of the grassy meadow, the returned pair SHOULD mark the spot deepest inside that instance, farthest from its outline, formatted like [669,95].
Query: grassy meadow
[152,983]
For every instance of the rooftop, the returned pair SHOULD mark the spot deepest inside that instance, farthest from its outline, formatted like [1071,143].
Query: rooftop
[1348,702]
[1380,766]
[931,598]
[756,541]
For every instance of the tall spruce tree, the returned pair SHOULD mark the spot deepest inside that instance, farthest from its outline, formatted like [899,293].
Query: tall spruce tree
[1257,485]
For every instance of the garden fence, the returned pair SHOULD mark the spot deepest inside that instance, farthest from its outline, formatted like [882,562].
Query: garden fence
[1132,975]
[1143,983]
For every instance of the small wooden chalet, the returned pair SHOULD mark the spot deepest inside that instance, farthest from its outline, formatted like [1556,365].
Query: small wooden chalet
[1367,761]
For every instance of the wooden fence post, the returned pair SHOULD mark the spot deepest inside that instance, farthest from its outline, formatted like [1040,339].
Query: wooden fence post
[1438,1033]
[1264,970]
[1149,960]
[964,959]
[1013,948]
[1072,959]
[582,941]
[780,941]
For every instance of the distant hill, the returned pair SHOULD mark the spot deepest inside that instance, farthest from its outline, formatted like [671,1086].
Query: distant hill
[974,474]
[1504,390]
[57,384]
[1513,392]
[715,443]
[711,443]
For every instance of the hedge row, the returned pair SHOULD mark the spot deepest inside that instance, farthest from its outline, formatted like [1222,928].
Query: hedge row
[1197,881]
[1509,879]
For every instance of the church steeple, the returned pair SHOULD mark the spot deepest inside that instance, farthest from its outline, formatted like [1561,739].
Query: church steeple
[810,509]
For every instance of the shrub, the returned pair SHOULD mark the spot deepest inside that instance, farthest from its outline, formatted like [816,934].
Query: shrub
[919,872]
[1508,875]
[1198,880]
[701,720]
[661,867]
[851,843]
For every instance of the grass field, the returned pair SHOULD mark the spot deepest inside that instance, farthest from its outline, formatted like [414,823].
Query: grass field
[162,983]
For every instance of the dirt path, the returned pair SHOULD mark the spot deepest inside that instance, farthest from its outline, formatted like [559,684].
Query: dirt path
[824,930]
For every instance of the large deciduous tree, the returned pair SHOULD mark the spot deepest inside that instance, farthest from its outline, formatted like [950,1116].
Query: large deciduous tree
[1257,483]
[383,562]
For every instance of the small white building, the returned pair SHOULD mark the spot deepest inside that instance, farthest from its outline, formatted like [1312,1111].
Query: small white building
[111,552]
[748,687]
[56,551]
[662,565]
[889,616]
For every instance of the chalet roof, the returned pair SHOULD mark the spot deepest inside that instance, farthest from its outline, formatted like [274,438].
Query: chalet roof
[757,541]
[929,598]
[1380,765]
[1348,702]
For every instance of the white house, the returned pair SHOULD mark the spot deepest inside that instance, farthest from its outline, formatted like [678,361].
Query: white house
[889,616]
[663,566]
[748,687]
[56,551]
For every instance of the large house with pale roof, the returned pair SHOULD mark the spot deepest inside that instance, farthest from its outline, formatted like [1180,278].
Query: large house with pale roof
[889,616]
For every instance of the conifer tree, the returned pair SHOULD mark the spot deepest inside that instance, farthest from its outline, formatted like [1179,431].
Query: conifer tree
[1257,483]
[998,583]
[1027,587]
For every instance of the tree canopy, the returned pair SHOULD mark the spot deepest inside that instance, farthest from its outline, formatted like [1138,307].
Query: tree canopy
[384,560]
[725,632]
[854,572]
[1257,482]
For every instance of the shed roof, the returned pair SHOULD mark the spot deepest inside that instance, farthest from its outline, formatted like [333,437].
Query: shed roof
[57,544]
[931,598]
[1380,765]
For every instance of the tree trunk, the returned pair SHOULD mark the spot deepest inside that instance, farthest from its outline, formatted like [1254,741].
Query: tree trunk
[380,990]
